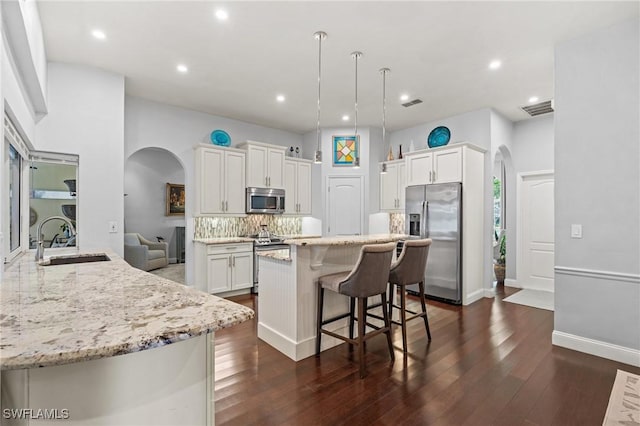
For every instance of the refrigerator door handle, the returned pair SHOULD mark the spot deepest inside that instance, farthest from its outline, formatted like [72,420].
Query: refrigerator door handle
[424,232]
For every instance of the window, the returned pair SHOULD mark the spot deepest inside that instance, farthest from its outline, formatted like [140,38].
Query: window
[15,184]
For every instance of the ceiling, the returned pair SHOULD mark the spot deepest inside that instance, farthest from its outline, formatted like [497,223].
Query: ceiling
[437,51]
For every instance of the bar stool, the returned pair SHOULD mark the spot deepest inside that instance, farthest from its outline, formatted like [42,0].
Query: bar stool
[409,269]
[368,278]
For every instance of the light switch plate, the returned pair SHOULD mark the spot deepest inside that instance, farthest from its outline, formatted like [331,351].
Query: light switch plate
[113,227]
[576,230]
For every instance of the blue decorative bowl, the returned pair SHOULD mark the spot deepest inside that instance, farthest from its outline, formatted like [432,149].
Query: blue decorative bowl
[221,138]
[439,136]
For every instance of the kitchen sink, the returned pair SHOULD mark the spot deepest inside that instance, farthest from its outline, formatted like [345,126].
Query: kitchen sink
[78,258]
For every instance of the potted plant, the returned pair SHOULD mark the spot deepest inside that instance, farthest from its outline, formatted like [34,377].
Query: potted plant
[65,230]
[499,267]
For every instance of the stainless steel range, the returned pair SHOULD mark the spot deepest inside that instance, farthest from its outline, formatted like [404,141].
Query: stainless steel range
[264,244]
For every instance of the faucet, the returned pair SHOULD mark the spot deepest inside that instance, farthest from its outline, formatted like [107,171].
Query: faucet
[40,247]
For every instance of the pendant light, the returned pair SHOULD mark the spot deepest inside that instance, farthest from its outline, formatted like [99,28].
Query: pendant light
[384,72]
[356,161]
[319,35]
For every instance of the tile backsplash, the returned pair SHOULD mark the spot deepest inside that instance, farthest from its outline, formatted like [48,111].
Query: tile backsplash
[215,227]
[396,223]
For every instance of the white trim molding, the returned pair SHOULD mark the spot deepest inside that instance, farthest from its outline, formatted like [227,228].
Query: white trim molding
[599,274]
[510,282]
[598,348]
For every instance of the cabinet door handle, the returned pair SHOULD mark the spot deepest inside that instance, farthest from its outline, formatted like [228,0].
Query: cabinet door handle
[265,181]
[222,205]
[434,176]
[233,258]
[226,206]
[269,179]
[230,261]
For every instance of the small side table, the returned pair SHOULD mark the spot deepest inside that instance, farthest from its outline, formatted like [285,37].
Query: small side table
[180,243]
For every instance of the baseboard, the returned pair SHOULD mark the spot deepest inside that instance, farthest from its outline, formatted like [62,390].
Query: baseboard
[490,292]
[510,282]
[173,260]
[277,340]
[473,297]
[595,347]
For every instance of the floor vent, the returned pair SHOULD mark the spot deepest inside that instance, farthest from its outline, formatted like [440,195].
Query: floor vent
[412,103]
[539,108]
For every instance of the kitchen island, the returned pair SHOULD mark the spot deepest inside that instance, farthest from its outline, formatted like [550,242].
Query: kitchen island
[105,343]
[287,302]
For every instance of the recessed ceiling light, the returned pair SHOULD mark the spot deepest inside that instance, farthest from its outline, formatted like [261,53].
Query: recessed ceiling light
[345,117]
[182,68]
[533,99]
[494,65]
[280,98]
[404,97]
[99,34]
[222,15]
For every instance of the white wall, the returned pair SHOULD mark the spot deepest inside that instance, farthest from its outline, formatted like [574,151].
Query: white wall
[178,130]
[86,117]
[598,185]
[146,173]
[532,149]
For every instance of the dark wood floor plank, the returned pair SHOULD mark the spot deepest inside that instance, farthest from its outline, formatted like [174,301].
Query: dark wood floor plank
[489,363]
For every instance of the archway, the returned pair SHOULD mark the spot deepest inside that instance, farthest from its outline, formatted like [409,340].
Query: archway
[504,211]
[146,174]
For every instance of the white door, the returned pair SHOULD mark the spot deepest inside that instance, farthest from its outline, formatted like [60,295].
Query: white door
[219,272]
[276,168]
[419,169]
[536,231]
[242,266]
[344,205]
[212,182]
[389,188]
[234,182]
[304,188]
[447,166]
[257,166]
[290,178]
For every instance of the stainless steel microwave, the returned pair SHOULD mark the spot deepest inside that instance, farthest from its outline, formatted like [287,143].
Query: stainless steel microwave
[265,200]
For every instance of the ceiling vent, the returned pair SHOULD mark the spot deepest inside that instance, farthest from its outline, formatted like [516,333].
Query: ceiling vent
[412,103]
[539,108]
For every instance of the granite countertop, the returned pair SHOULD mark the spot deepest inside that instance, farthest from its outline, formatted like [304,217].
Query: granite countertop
[61,314]
[346,240]
[280,254]
[223,240]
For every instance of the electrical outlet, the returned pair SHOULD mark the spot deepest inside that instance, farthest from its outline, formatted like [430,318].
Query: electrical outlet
[576,230]
[113,227]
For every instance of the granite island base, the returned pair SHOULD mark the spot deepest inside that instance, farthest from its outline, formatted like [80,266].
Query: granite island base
[287,302]
[108,344]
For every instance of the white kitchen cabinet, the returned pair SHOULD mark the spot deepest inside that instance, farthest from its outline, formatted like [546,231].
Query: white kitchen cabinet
[437,165]
[220,181]
[265,165]
[392,186]
[223,267]
[297,186]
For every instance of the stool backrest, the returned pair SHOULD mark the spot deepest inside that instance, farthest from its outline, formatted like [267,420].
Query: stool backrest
[410,266]
[370,275]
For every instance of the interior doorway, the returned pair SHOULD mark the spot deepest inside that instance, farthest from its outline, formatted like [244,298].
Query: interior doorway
[146,175]
[345,205]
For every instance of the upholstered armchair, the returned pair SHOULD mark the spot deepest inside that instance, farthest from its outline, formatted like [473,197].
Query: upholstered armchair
[144,254]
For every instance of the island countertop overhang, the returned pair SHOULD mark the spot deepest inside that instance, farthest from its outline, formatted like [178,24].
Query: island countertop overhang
[347,240]
[54,315]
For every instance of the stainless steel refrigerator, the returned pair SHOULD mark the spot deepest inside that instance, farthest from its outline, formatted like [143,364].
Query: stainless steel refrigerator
[435,211]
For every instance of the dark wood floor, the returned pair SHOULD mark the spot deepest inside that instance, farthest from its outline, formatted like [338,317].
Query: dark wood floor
[489,363]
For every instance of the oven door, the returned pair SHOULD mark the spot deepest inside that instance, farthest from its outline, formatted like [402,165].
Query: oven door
[265,200]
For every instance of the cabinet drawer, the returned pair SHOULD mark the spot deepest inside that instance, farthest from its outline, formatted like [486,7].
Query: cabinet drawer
[229,248]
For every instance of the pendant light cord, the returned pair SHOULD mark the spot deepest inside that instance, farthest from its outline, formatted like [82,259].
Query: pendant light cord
[320,37]
[356,163]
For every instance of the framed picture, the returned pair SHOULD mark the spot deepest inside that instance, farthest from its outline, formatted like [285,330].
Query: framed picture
[345,150]
[175,200]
